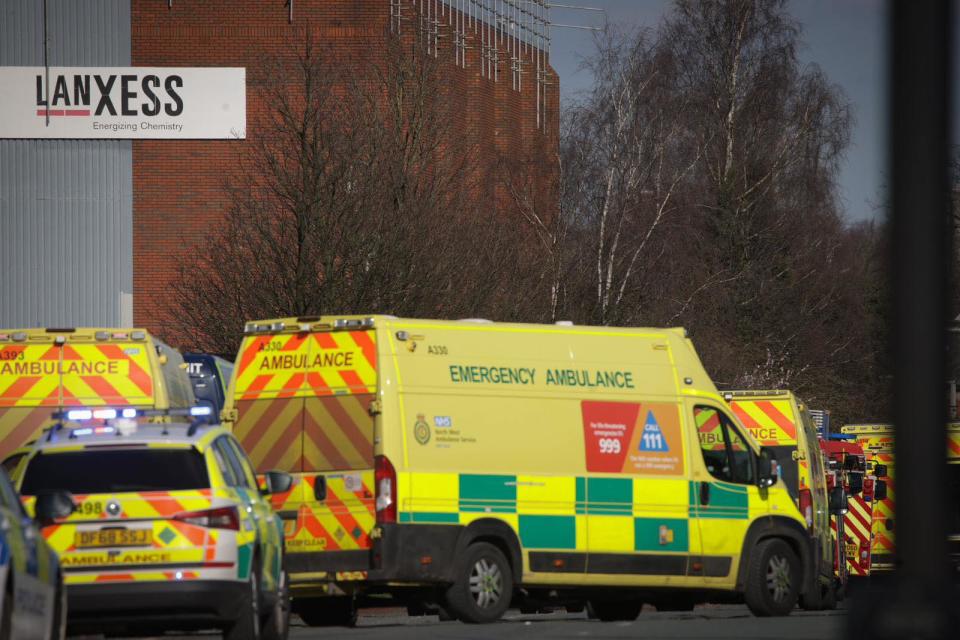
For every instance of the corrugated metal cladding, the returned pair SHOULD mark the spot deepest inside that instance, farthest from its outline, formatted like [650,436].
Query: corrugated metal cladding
[66,206]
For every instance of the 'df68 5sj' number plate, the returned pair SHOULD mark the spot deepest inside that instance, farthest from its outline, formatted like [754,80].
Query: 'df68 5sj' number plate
[113,538]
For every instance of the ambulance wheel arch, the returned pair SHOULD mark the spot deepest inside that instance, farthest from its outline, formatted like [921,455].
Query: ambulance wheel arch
[791,532]
[497,533]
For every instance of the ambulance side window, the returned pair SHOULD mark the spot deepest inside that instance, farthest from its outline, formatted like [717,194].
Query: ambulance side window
[725,453]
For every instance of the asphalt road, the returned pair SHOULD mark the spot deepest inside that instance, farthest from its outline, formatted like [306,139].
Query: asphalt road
[721,622]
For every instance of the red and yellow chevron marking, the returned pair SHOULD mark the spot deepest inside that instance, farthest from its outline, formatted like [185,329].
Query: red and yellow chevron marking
[857,524]
[75,374]
[338,433]
[770,421]
[271,432]
[342,521]
[708,429]
[306,365]
[139,576]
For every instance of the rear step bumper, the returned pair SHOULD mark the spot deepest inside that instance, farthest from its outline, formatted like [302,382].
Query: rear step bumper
[173,605]
[419,554]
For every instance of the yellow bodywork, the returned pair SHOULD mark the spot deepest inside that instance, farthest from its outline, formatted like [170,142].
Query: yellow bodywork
[582,440]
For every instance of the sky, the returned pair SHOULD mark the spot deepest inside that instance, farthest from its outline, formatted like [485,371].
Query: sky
[847,39]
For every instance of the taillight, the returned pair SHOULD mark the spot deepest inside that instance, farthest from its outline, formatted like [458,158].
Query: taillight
[221,518]
[806,506]
[385,479]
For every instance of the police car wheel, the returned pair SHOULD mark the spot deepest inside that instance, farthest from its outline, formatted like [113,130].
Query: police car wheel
[58,625]
[275,625]
[773,579]
[247,624]
[6,614]
[483,587]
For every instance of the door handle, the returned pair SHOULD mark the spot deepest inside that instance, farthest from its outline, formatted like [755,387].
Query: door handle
[704,493]
[320,488]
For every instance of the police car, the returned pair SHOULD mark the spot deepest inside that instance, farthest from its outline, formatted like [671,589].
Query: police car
[170,530]
[32,600]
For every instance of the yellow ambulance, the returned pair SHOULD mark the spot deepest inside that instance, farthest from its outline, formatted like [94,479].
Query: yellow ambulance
[477,464]
[43,371]
[778,419]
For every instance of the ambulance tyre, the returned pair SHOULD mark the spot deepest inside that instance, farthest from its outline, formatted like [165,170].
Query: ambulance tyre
[328,611]
[614,610]
[483,585]
[247,624]
[773,579]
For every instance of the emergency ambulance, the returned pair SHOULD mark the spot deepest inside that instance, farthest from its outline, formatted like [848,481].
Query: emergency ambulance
[475,464]
[877,442]
[778,419]
[42,370]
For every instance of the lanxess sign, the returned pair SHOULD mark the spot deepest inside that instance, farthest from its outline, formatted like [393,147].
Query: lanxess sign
[123,102]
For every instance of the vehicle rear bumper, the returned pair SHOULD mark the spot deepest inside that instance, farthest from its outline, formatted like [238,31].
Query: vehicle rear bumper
[403,553]
[167,605]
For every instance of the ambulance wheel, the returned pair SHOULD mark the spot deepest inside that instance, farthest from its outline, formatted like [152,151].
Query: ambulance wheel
[332,611]
[483,586]
[247,624]
[276,623]
[773,579]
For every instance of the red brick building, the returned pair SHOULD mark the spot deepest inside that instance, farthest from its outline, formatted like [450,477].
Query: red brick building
[496,68]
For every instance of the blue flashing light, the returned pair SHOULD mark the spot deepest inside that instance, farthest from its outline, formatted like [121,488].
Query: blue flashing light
[200,411]
[104,414]
[79,414]
[86,431]
[129,413]
[842,436]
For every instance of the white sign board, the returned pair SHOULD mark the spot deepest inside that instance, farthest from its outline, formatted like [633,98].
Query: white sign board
[123,102]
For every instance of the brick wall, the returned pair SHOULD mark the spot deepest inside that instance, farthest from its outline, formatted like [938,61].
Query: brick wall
[178,185]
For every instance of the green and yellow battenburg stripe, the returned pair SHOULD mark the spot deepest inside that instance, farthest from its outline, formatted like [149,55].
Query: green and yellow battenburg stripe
[550,512]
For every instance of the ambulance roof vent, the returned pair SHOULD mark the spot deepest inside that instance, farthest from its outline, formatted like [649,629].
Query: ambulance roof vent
[564,323]
[476,320]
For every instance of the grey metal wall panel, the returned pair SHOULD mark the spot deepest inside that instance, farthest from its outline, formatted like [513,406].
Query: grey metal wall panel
[81,33]
[66,206]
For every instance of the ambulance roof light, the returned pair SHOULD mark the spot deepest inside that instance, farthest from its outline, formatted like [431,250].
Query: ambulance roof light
[353,323]
[19,336]
[104,414]
[129,413]
[4,337]
[139,335]
[200,411]
[60,340]
[121,335]
[278,326]
[102,335]
[79,414]
[564,323]
[477,320]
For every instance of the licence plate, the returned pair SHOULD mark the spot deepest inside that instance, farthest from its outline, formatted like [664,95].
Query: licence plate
[851,550]
[113,538]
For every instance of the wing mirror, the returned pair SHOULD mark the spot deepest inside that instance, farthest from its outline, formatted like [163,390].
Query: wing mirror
[838,501]
[880,490]
[276,482]
[53,506]
[768,469]
[856,483]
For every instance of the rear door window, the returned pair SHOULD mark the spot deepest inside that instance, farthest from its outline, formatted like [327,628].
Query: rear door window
[115,471]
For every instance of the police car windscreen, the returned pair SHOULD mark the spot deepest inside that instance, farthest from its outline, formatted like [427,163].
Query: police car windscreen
[116,471]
